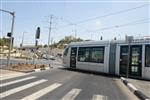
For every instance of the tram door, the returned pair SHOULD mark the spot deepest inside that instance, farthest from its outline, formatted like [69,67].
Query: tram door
[73,57]
[135,67]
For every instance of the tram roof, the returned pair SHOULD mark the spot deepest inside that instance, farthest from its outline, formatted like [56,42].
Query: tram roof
[102,42]
[89,43]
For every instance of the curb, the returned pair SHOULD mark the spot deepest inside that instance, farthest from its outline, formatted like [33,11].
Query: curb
[33,70]
[133,89]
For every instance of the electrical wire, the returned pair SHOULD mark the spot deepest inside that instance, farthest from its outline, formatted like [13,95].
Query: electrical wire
[114,13]
[103,16]
[123,25]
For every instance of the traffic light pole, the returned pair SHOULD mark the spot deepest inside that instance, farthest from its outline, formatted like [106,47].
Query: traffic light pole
[11,38]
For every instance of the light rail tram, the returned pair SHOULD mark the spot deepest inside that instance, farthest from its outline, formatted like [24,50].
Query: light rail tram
[110,57]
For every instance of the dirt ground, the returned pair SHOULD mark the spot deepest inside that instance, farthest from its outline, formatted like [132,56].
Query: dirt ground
[26,67]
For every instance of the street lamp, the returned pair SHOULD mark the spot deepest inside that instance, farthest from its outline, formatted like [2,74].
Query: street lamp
[12,29]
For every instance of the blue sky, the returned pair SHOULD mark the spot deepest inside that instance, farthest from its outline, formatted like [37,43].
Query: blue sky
[31,14]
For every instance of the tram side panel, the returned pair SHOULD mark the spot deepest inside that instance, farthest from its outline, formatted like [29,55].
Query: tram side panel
[81,64]
[66,57]
[146,61]
[112,59]
[92,65]
[117,60]
[141,70]
[104,66]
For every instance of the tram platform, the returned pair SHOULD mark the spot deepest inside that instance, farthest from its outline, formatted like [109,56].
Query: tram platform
[142,85]
[139,87]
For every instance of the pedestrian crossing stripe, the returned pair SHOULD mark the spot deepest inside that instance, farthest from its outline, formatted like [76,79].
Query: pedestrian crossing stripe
[42,92]
[99,97]
[17,81]
[72,94]
[15,90]
[13,75]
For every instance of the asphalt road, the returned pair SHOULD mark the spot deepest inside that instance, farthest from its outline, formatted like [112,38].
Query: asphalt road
[56,84]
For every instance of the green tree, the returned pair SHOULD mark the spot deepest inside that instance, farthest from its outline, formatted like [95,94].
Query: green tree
[66,40]
[4,41]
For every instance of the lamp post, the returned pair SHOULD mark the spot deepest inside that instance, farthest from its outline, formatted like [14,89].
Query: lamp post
[11,37]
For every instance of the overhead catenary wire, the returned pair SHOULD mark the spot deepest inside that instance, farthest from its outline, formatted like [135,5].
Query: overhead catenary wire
[141,21]
[74,25]
[70,24]
[123,25]
[116,26]
[114,13]
[103,16]
[78,24]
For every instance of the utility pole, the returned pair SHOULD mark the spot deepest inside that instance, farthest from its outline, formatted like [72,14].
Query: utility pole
[11,37]
[51,42]
[129,40]
[22,39]
[50,28]
[75,31]
[91,36]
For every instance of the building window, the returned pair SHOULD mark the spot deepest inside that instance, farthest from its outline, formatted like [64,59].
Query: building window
[91,54]
[147,56]
[66,51]
[83,54]
[97,54]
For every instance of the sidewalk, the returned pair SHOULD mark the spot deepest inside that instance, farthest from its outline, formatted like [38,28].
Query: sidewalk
[7,74]
[143,86]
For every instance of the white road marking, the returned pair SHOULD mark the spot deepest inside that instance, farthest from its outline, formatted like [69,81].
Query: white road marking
[12,75]
[99,97]
[72,94]
[47,68]
[37,70]
[42,92]
[17,81]
[15,90]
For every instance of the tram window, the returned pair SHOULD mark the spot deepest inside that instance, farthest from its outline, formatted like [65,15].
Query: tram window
[83,54]
[147,56]
[97,54]
[66,52]
[91,54]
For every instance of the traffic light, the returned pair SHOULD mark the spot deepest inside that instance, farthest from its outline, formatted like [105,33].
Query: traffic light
[36,43]
[9,34]
[37,36]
